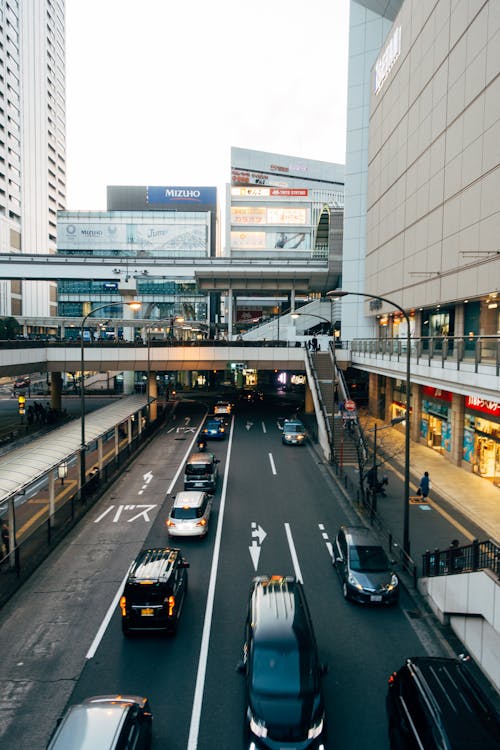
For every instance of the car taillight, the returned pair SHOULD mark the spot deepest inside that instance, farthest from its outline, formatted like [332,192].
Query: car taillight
[123,605]
[169,522]
[171,605]
[202,522]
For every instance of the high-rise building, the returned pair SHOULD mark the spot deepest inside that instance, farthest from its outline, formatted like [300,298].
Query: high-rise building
[32,142]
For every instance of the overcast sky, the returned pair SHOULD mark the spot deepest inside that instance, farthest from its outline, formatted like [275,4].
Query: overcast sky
[158,91]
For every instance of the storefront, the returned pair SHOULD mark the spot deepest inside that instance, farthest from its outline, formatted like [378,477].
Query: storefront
[481,448]
[435,425]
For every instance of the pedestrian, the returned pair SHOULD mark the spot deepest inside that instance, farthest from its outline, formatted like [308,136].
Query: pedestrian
[456,556]
[5,537]
[425,485]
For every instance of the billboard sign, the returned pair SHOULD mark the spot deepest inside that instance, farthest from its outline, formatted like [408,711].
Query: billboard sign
[206,196]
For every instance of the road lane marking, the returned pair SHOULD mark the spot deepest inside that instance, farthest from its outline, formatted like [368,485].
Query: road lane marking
[194,727]
[273,467]
[263,427]
[104,624]
[293,554]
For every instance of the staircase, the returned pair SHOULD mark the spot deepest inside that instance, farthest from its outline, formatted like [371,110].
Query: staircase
[345,447]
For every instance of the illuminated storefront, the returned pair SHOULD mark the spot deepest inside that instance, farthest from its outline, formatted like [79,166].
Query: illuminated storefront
[435,424]
[481,446]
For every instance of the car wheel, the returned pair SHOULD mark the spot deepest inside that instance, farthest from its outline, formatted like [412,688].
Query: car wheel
[345,591]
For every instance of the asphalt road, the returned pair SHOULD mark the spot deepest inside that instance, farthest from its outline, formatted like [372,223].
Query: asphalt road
[276,511]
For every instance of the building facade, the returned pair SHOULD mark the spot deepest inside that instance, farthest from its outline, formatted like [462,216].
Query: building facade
[423,173]
[281,207]
[32,145]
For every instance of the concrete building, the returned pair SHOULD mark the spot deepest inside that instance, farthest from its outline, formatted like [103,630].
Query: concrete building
[422,214]
[32,145]
[281,207]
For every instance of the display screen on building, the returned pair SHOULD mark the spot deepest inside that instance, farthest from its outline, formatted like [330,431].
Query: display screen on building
[145,236]
[268,192]
[291,216]
[270,241]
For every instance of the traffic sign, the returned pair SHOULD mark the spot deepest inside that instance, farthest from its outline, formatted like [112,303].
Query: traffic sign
[350,405]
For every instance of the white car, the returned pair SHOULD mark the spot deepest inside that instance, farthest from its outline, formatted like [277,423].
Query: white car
[189,514]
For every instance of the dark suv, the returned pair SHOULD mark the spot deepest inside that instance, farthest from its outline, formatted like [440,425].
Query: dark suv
[285,706]
[435,703]
[364,569]
[154,591]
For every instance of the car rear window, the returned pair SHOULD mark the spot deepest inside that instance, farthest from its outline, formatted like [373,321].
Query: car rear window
[186,514]
[198,470]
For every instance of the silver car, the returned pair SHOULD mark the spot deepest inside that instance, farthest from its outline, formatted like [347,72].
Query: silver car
[189,514]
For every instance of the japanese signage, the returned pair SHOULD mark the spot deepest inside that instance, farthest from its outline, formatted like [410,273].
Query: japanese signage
[385,62]
[482,404]
[436,393]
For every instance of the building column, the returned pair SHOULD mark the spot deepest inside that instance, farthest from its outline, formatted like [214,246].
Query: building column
[416,410]
[153,395]
[457,428]
[292,300]
[389,397]
[56,391]
[128,382]
[230,313]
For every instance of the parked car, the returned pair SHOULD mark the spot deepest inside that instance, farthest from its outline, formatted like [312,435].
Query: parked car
[154,592]
[189,514]
[365,572]
[435,703]
[107,722]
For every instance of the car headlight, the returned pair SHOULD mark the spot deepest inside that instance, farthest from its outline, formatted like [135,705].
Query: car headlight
[394,582]
[315,730]
[353,581]
[258,727]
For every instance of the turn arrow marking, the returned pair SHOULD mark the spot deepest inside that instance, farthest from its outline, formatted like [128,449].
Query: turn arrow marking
[254,550]
[258,531]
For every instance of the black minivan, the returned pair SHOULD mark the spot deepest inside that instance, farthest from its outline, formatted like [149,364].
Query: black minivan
[285,707]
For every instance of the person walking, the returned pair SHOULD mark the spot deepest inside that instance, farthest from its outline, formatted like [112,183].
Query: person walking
[425,485]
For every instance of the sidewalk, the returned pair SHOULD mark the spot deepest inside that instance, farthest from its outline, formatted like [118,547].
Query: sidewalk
[469,495]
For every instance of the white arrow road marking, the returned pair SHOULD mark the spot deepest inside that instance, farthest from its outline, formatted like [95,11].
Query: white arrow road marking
[259,532]
[147,477]
[254,550]
[293,553]
[249,425]
[273,467]
[330,549]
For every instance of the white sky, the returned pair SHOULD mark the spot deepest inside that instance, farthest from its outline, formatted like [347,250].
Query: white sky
[158,91]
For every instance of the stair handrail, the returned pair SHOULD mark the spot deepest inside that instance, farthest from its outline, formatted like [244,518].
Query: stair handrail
[321,403]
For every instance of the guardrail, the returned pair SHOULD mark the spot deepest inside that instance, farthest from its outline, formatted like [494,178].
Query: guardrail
[466,559]
[476,350]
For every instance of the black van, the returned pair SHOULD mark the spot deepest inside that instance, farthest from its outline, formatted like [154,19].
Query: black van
[201,472]
[436,702]
[285,705]
[154,591]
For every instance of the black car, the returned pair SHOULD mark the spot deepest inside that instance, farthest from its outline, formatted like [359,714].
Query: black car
[437,704]
[364,569]
[154,591]
[285,707]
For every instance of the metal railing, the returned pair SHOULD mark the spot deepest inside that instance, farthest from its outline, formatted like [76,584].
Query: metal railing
[466,559]
[459,350]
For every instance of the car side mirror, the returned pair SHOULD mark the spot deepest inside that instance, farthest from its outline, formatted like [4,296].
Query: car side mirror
[217,461]
[339,559]
[185,564]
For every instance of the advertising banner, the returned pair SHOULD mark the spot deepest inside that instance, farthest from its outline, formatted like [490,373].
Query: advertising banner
[178,194]
[270,241]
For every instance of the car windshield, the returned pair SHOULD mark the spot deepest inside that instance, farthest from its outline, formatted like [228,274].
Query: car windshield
[293,428]
[198,470]
[282,670]
[213,425]
[369,559]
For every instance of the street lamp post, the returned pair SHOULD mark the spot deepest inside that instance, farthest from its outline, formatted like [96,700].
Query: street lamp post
[134,305]
[338,293]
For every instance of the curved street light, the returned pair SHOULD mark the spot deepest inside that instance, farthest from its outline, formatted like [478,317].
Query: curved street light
[296,315]
[338,294]
[134,305]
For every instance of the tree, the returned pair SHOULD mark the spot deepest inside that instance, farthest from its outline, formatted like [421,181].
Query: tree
[9,328]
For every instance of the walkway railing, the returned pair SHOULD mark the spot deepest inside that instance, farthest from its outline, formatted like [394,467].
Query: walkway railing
[466,559]
[460,350]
